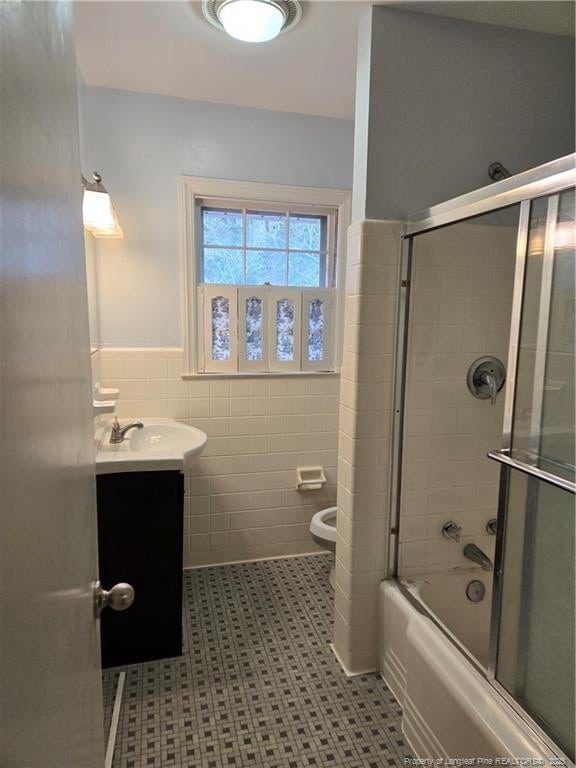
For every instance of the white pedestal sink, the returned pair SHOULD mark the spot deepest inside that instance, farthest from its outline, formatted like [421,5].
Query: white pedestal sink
[162,444]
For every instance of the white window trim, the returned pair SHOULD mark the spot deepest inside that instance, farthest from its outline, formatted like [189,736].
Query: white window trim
[192,187]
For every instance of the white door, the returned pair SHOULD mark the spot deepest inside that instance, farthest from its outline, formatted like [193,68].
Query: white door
[50,689]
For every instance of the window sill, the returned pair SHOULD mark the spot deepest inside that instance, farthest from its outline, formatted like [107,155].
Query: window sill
[260,375]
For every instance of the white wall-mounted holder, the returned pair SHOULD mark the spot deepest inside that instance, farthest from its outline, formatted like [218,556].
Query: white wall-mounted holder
[105,393]
[100,407]
[310,478]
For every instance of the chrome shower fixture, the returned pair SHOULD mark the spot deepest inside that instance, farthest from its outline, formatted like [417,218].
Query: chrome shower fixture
[486,377]
[497,171]
[451,530]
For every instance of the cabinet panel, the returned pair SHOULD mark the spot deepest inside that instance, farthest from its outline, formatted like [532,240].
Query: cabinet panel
[140,521]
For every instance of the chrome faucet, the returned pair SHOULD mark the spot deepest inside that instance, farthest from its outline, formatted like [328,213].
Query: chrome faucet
[118,433]
[451,530]
[474,553]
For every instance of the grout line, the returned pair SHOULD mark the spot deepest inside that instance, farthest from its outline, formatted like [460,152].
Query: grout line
[115,721]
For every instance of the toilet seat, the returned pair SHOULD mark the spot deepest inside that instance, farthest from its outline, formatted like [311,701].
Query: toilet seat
[323,524]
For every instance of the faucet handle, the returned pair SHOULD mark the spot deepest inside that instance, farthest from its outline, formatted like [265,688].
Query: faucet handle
[451,530]
[490,381]
[492,526]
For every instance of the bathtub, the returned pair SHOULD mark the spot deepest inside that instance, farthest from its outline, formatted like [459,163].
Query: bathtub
[466,622]
[449,708]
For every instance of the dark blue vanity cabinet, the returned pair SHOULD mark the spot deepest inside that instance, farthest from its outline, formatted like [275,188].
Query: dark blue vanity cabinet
[140,532]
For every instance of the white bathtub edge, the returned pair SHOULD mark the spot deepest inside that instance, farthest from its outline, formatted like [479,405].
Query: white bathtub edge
[394,675]
[421,739]
[448,706]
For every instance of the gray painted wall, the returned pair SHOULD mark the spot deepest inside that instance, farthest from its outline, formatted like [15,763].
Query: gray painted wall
[447,98]
[142,143]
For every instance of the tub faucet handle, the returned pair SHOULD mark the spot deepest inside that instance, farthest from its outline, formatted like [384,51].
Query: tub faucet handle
[492,526]
[451,530]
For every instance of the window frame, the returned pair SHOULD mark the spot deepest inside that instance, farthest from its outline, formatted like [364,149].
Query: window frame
[250,194]
[247,207]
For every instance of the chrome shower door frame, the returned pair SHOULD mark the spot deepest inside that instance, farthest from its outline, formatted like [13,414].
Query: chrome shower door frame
[546,180]
[508,464]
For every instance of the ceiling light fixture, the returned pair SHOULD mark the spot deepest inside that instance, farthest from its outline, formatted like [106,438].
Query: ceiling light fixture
[98,212]
[252,21]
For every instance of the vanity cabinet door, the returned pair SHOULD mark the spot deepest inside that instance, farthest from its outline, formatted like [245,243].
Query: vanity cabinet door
[140,530]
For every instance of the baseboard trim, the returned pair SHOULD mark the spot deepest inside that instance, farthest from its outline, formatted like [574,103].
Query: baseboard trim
[348,672]
[115,720]
[258,560]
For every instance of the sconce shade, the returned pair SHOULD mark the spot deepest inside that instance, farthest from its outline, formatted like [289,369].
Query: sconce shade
[115,231]
[98,212]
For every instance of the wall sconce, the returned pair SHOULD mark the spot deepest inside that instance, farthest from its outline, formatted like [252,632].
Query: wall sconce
[98,212]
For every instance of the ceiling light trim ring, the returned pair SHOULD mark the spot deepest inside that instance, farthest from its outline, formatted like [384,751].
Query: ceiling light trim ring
[292,10]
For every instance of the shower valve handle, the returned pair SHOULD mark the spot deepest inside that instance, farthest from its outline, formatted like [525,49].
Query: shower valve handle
[451,530]
[490,380]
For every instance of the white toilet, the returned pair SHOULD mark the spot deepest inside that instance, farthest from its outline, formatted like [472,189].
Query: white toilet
[323,530]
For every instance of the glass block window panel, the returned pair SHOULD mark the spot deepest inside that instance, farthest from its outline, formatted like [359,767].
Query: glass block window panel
[220,310]
[307,233]
[316,330]
[305,269]
[223,266]
[254,328]
[285,330]
[265,267]
[222,227]
[266,230]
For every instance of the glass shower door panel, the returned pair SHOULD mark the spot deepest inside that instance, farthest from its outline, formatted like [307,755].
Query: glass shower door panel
[535,656]
[557,441]
[535,661]
[543,425]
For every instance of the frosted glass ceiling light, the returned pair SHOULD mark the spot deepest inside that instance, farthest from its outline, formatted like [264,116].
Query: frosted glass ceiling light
[252,21]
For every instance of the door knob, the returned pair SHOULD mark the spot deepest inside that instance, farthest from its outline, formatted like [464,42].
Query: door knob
[120,597]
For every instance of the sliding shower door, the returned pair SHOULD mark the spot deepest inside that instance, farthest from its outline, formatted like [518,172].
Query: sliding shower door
[533,615]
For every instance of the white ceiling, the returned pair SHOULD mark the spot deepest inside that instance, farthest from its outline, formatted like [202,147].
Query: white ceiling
[166,47]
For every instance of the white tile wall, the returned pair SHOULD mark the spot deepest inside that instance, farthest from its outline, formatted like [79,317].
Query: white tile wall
[364,444]
[241,498]
[461,304]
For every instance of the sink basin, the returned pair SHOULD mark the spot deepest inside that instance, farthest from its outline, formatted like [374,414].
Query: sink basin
[162,444]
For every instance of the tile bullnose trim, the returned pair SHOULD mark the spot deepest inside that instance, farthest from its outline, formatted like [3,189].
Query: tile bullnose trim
[348,672]
[376,227]
[261,375]
[111,351]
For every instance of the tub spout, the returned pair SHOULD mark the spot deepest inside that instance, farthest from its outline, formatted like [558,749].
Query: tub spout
[474,553]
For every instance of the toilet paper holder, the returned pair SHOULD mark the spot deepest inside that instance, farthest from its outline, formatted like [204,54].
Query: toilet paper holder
[310,478]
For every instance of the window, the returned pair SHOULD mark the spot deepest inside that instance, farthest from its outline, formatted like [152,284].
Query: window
[241,246]
[261,277]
